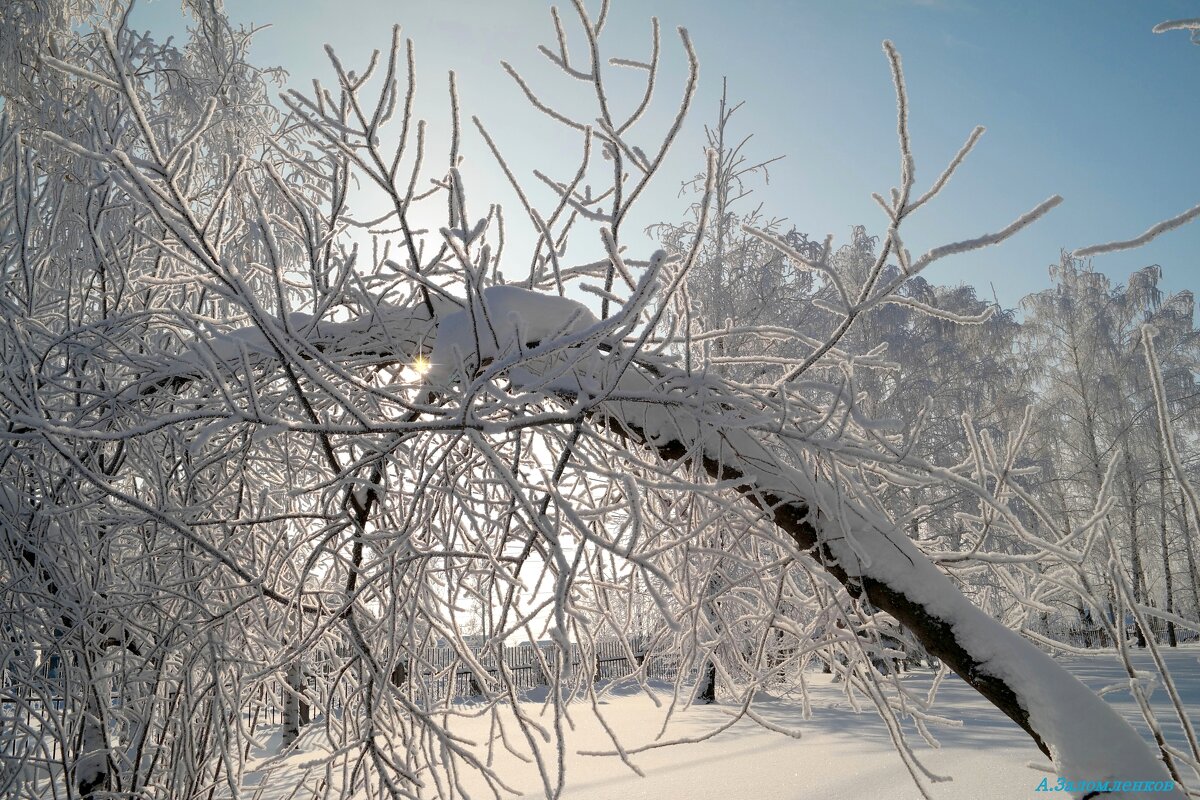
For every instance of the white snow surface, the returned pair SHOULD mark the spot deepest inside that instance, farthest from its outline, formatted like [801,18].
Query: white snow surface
[840,755]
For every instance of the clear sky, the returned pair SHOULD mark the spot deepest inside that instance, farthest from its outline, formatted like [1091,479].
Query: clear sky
[1079,99]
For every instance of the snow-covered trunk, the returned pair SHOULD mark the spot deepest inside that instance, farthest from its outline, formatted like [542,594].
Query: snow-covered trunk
[295,707]
[93,766]
[859,547]
[1168,578]
[706,686]
[1135,552]
[1092,625]
[1086,738]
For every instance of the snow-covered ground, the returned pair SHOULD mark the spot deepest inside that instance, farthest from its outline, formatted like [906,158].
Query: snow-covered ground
[841,754]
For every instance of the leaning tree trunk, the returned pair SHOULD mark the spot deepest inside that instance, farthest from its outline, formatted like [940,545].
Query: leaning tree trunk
[1085,737]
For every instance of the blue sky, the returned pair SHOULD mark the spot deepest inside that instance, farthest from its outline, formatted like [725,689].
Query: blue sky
[1079,98]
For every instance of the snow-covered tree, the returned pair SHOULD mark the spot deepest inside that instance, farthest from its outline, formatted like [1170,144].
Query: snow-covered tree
[1095,401]
[242,454]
